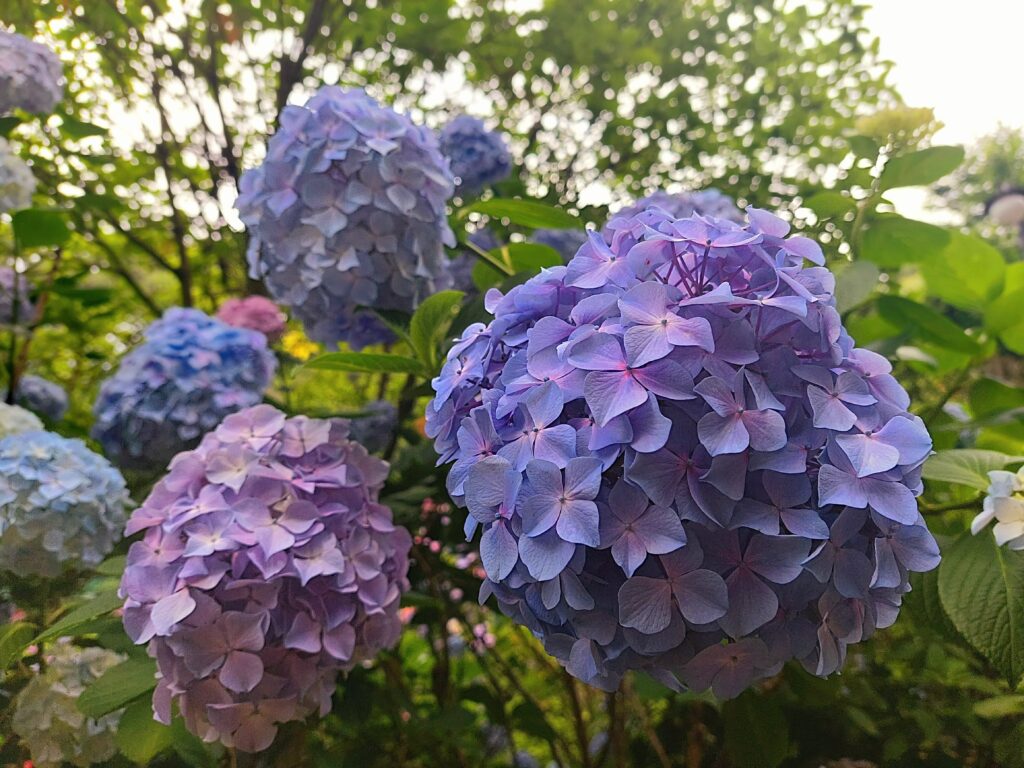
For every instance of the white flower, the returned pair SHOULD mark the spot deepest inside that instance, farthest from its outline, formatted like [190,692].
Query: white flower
[1004,504]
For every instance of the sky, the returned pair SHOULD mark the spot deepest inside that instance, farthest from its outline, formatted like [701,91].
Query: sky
[963,59]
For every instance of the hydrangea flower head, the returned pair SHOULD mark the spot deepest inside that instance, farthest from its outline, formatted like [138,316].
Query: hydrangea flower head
[1004,504]
[14,420]
[15,306]
[478,157]
[191,371]
[374,428]
[46,716]
[348,211]
[30,75]
[678,460]
[679,205]
[256,313]
[42,396]
[267,565]
[61,505]
[16,180]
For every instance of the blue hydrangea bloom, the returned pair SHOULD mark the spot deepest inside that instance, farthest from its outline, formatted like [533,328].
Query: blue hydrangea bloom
[678,460]
[61,505]
[375,426]
[30,75]
[565,241]
[348,211]
[41,396]
[191,371]
[15,289]
[705,202]
[479,157]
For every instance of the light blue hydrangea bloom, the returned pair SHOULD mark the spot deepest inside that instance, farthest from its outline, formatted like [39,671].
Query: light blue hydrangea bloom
[479,157]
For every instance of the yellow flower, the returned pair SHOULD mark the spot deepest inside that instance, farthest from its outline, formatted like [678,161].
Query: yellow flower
[298,346]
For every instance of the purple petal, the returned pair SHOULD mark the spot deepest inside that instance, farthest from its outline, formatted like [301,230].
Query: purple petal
[702,596]
[645,604]
[499,551]
[241,671]
[545,556]
[611,393]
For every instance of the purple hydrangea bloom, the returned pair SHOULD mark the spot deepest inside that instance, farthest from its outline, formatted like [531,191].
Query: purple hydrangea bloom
[706,202]
[61,505]
[678,459]
[191,372]
[375,426]
[266,566]
[565,241]
[348,211]
[257,313]
[478,157]
[15,306]
[16,180]
[41,396]
[30,75]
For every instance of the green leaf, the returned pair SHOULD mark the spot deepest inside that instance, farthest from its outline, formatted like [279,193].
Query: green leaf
[981,587]
[531,720]
[14,639]
[430,324]
[112,566]
[967,274]
[921,167]
[139,737]
[990,399]
[1003,313]
[855,282]
[8,123]
[189,748]
[756,732]
[39,228]
[864,146]
[105,602]
[518,257]
[966,466]
[926,324]
[828,205]
[527,213]
[1010,705]
[365,362]
[891,241]
[79,129]
[118,686]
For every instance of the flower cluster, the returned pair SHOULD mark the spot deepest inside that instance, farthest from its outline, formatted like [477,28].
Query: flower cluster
[257,313]
[375,426]
[565,241]
[15,307]
[46,716]
[679,460]
[348,211]
[41,396]
[16,180]
[706,202]
[61,505]
[478,157]
[30,75]
[267,566]
[1004,503]
[14,420]
[191,372]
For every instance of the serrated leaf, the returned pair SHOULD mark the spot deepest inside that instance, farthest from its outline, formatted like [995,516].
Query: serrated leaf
[891,241]
[430,324]
[921,167]
[14,638]
[926,324]
[527,213]
[756,732]
[105,602]
[967,274]
[966,466]
[366,362]
[139,737]
[39,228]
[981,587]
[117,687]
[854,284]
[519,258]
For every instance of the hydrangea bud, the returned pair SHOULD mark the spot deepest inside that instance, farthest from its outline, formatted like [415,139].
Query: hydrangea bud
[61,505]
[679,205]
[478,157]
[191,371]
[30,75]
[46,716]
[376,426]
[41,396]
[16,180]
[15,289]
[14,420]
[257,313]
[266,566]
[679,461]
[348,211]
[565,241]
[1004,504]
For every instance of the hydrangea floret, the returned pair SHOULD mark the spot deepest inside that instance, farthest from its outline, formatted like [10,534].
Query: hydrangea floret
[267,565]
[1003,504]
[61,505]
[257,313]
[705,202]
[15,305]
[478,157]
[30,75]
[14,420]
[46,716]
[348,212]
[191,371]
[41,396]
[678,461]
[16,180]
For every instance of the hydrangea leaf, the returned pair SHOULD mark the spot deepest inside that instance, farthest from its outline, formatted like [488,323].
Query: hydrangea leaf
[118,686]
[526,213]
[139,737]
[366,362]
[966,466]
[921,167]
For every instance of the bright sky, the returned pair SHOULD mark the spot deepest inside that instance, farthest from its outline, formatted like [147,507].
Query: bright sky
[963,59]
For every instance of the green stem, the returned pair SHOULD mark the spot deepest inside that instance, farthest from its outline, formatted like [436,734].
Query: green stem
[482,254]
